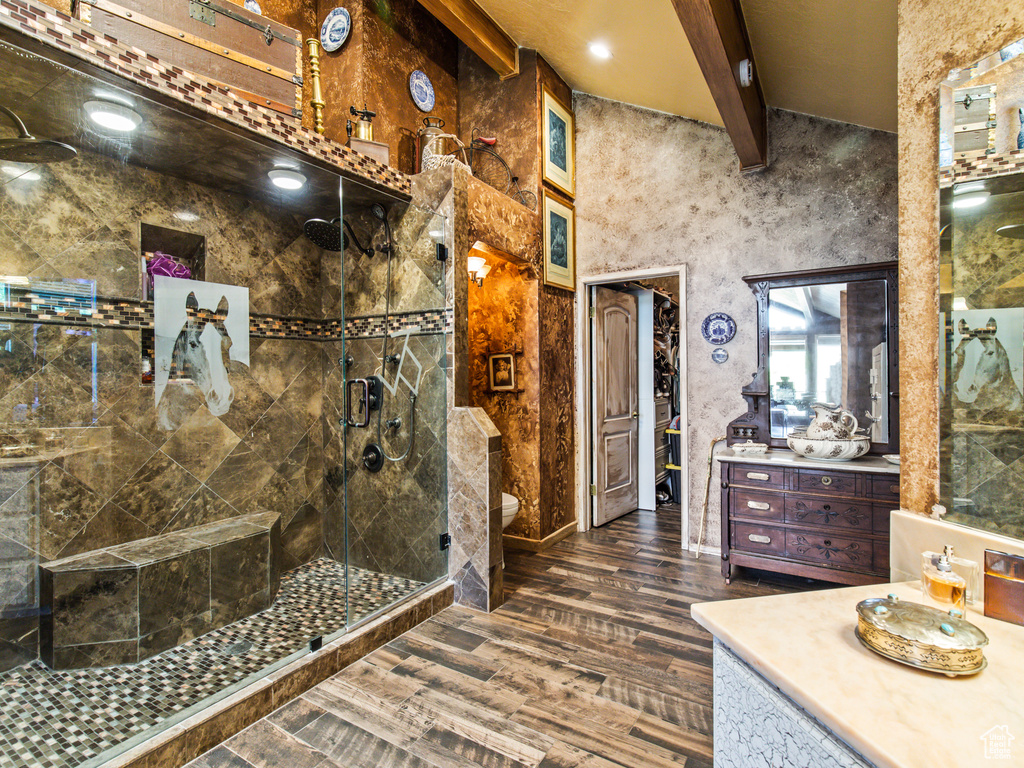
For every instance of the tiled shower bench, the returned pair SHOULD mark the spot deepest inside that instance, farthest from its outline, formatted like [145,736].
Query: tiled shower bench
[126,603]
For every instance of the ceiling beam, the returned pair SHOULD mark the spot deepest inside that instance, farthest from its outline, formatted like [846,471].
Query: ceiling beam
[471,24]
[719,40]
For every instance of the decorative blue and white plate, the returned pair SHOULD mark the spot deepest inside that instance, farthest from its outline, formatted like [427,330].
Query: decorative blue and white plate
[720,355]
[252,5]
[335,29]
[422,91]
[718,328]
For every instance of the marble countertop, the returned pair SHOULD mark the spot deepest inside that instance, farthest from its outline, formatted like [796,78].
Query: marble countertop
[790,459]
[893,715]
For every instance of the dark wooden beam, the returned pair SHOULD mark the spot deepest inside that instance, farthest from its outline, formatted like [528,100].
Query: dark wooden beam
[719,40]
[471,24]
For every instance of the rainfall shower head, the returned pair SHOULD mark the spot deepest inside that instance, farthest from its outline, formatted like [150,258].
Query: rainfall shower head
[325,234]
[28,149]
[379,211]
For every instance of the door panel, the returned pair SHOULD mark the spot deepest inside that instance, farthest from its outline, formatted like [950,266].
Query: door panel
[616,399]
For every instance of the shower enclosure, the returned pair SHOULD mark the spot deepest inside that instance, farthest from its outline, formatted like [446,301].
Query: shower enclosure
[197,480]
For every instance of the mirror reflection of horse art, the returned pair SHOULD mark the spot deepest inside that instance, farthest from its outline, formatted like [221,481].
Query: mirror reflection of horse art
[983,377]
[200,328]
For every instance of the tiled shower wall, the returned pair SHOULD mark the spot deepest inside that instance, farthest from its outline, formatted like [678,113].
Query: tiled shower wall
[103,469]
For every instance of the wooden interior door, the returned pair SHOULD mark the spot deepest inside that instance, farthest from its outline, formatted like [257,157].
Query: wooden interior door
[616,403]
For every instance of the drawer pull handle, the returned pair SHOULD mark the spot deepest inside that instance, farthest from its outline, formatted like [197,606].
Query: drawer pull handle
[759,505]
[758,539]
[827,542]
[827,507]
[758,476]
[826,480]
[894,489]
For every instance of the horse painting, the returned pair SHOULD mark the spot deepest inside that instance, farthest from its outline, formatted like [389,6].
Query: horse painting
[987,385]
[198,335]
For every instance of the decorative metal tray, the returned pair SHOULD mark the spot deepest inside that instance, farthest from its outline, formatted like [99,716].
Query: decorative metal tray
[920,636]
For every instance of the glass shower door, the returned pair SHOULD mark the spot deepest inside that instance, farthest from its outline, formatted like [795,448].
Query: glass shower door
[393,386]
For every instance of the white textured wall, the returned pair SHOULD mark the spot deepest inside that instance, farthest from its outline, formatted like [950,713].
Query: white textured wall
[653,190]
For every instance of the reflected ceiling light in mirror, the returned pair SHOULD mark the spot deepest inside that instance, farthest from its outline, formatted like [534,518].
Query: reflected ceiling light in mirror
[1015,231]
[113,117]
[600,50]
[287,179]
[970,200]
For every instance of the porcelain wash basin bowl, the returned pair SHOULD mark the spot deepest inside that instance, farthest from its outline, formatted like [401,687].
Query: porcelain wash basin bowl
[828,449]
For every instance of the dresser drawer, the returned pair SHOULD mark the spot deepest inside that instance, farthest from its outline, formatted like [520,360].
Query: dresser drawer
[762,539]
[662,412]
[828,549]
[882,556]
[885,487]
[882,514]
[821,481]
[829,513]
[763,505]
[755,476]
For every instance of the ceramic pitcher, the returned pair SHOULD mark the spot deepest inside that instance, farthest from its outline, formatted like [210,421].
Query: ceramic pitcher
[831,423]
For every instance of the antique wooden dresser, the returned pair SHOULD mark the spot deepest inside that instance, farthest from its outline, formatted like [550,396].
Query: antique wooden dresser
[824,520]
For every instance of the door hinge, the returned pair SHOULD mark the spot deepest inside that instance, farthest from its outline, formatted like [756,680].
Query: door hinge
[446,541]
[593,311]
[442,251]
[593,490]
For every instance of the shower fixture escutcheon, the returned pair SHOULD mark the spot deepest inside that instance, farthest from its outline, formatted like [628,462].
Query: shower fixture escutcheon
[373,457]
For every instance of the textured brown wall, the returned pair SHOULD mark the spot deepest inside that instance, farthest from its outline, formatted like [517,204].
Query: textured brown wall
[503,316]
[934,37]
[657,190]
[504,109]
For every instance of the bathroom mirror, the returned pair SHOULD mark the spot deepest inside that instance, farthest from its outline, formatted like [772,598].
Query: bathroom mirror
[981,238]
[824,336]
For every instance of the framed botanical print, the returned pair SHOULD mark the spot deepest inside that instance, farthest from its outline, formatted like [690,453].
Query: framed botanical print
[559,145]
[559,243]
[501,372]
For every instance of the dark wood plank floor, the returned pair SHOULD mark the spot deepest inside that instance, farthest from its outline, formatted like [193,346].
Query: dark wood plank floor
[593,662]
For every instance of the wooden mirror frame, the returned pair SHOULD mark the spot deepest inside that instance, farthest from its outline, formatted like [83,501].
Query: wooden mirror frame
[755,424]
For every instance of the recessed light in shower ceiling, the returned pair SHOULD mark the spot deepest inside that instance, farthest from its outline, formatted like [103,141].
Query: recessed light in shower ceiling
[287,179]
[600,50]
[113,117]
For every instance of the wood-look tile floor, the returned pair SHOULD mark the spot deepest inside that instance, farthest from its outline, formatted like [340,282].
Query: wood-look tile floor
[593,662]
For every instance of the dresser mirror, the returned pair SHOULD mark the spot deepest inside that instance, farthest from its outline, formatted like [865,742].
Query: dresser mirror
[981,293]
[824,336]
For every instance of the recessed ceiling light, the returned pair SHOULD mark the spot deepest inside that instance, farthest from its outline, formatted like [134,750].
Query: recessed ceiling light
[285,179]
[113,117]
[970,200]
[600,50]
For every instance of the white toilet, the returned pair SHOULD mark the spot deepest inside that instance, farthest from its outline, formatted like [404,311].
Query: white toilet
[509,508]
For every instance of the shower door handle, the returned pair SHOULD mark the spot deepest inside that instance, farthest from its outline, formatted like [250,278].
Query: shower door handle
[364,403]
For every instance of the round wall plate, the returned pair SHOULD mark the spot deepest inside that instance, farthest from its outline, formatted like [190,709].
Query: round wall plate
[720,355]
[422,91]
[718,328]
[335,29]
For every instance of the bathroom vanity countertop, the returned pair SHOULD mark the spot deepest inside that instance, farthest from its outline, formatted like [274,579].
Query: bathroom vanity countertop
[893,715]
[788,458]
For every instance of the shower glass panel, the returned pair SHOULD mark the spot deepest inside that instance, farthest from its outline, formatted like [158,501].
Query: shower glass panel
[166,510]
[393,448]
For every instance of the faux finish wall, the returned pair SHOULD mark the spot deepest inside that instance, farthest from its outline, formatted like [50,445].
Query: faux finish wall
[657,190]
[934,37]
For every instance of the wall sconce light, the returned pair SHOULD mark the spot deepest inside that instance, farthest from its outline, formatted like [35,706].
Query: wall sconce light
[478,269]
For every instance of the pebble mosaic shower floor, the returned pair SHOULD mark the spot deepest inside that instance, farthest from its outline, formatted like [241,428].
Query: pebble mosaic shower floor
[64,719]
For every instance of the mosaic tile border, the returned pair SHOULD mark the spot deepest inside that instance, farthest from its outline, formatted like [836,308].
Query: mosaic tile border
[29,307]
[55,719]
[58,30]
[982,167]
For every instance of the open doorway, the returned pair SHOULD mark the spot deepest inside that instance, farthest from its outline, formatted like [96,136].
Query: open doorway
[632,395]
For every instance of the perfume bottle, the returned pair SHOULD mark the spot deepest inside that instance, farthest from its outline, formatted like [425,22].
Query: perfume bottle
[968,569]
[940,582]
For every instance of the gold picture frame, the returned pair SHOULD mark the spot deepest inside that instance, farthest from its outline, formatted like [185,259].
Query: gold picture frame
[559,145]
[559,242]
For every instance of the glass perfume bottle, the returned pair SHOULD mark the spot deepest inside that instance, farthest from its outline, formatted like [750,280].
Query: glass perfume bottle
[940,582]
